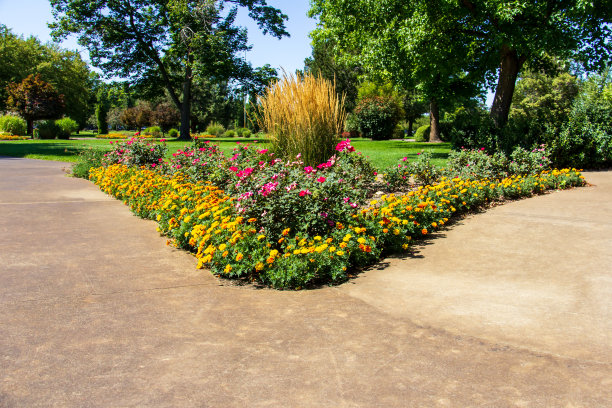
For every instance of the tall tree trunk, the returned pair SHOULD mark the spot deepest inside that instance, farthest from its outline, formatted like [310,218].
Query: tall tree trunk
[509,68]
[186,106]
[30,127]
[434,121]
[410,122]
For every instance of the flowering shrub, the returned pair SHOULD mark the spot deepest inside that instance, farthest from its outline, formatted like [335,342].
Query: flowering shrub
[136,152]
[421,171]
[288,250]
[529,162]
[377,117]
[477,164]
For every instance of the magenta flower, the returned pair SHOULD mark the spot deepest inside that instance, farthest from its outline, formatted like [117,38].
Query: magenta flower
[308,169]
[304,193]
[321,179]
[262,151]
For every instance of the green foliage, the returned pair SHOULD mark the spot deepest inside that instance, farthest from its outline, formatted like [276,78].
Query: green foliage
[215,129]
[472,128]
[87,159]
[243,132]
[377,117]
[540,106]
[229,133]
[66,127]
[48,130]
[165,42]
[586,138]
[173,133]
[12,125]
[351,124]
[525,162]
[153,131]
[63,69]
[422,134]
[101,119]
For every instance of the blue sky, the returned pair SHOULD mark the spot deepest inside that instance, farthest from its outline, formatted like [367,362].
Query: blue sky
[30,17]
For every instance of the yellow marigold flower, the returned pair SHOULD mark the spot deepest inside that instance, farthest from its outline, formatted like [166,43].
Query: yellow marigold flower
[270,260]
[280,241]
[259,266]
[239,257]
[329,240]
[347,237]
[273,253]
[332,249]
[158,217]
[343,245]
[361,240]
[260,237]
[385,230]
[405,246]
[228,268]
[224,254]
[396,231]
[286,232]
[222,247]
[317,238]
[433,224]
[187,218]
[296,252]
[252,220]
[340,253]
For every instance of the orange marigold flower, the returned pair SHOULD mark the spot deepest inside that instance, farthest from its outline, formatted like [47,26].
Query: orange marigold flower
[424,231]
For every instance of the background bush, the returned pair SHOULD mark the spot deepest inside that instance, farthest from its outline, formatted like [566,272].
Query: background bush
[66,127]
[13,125]
[47,129]
[422,134]
[173,133]
[215,129]
[377,117]
[302,115]
[153,131]
[229,133]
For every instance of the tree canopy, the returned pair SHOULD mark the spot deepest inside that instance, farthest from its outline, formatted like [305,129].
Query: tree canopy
[169,40]
[63,69]
[448,47]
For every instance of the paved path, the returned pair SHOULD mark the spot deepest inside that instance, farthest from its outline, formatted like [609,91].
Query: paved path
[513,307]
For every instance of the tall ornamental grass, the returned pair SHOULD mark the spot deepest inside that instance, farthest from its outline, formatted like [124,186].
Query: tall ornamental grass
[302,114]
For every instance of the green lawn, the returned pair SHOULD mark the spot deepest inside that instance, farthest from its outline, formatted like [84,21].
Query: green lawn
[381,153]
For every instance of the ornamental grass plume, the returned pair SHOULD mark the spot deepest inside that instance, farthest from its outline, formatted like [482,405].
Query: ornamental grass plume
[302,115]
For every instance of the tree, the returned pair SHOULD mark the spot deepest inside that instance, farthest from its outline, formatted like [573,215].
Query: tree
[172,40]
[345,74]
[402,42]
[65,70]
[165,115]
[35,99]
[437,43]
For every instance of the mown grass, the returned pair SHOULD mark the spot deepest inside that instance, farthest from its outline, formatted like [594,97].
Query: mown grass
[382,154]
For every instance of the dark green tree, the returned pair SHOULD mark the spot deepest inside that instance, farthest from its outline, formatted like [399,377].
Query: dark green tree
[172,40]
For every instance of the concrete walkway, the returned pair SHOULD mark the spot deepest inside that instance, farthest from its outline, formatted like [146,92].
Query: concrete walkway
[512,307]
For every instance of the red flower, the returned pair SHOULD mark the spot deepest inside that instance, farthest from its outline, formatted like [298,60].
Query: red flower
[321,179]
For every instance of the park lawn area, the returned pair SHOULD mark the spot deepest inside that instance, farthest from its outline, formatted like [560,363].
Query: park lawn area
[382,154]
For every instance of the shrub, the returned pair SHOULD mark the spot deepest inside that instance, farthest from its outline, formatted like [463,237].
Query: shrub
[229,133]
[13,125]
[47,129]
[377,117]
[87,160]
[302,115]
[244,132]
[476,164]
[526,162]
[153,131]
[136,152]
[422,134]
[586,138]
[472,128]
[66,127]
[215,129]
[173,133]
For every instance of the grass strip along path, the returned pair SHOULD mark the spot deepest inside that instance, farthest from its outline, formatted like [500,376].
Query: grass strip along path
[382,154]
